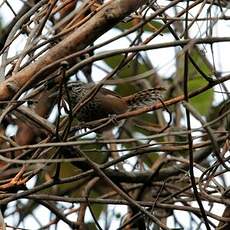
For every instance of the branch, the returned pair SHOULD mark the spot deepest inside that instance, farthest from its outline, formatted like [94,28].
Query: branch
[102,21]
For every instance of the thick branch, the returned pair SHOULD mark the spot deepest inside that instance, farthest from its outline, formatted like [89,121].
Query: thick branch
[103,20]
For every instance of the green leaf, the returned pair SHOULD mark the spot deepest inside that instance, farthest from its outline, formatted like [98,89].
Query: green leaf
[151,26]
[200,60]
[134,67]
[97,209]
[202,102]
[150,158]
[95,153]
[124,25]
[90,226]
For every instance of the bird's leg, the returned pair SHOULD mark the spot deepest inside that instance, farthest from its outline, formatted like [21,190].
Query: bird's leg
[113,119]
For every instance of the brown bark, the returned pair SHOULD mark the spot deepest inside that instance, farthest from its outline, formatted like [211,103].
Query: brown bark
[105,19]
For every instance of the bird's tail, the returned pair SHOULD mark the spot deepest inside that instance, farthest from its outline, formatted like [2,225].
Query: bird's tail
[144,97]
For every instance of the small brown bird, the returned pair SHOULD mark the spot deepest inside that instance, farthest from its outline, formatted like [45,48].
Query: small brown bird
[107,102]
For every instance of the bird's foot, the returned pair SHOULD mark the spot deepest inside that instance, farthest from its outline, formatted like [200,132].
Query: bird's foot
[113,119]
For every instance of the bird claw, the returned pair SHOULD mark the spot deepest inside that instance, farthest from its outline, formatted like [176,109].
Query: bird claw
[113,119]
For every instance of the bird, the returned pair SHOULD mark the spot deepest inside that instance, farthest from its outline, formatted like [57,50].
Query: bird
[107,102]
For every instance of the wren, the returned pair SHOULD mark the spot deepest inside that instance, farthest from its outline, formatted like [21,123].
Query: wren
[107,102]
